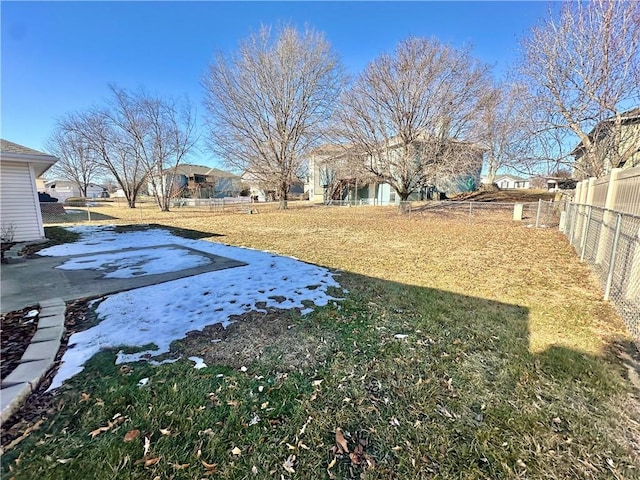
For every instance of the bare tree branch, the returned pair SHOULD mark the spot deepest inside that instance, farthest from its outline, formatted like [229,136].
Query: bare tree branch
[584,70]
[77,161]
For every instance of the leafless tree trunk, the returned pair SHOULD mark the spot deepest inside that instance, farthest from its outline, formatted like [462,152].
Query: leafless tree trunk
[410,116]
[268,103]
[77,161]
[584,70]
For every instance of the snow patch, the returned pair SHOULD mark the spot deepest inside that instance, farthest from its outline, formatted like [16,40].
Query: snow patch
[160,314]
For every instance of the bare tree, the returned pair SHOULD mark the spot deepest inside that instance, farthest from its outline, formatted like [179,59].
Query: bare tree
[507,130]
[160,132]
[584,70]
[269,101]
[77,162]
[101,129]
[137,138]
[412,115]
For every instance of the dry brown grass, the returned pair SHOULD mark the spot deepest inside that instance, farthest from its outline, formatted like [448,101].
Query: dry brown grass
[489,257]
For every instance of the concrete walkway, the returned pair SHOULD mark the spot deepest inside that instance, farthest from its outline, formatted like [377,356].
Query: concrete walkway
[37,282]
[28,283]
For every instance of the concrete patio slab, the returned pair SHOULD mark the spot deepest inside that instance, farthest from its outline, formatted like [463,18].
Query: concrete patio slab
[38,280]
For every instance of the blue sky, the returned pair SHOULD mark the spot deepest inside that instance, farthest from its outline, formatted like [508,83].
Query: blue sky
[59,57]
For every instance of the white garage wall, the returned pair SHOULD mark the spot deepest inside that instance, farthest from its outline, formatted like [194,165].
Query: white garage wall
[19,205]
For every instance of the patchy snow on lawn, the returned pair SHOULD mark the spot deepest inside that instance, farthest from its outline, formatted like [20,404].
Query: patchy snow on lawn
[160,314]
[139,262]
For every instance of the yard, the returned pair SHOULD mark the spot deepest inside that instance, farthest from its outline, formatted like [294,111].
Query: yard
[462,349]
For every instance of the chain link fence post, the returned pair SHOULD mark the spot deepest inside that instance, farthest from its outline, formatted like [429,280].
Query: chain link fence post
[585,233]
[612,257]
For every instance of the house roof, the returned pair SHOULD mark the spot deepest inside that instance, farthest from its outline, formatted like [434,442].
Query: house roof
[630,116]
[191,170]
[512,177]
[9,147]
[19,153]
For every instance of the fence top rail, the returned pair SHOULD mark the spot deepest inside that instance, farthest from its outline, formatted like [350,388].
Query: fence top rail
[462,202]
[624,214]
[628,173]
[602,181]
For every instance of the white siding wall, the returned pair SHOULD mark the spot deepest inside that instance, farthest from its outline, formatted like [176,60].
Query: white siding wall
[19,204]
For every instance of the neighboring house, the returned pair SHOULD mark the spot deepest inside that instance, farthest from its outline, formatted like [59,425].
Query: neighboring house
[260,191]
[20,216]
[197,181]
[332,176]
[511,182]
[616,145]
[63,189]
[555,184]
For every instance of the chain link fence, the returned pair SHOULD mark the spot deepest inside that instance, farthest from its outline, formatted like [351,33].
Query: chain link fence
[111,211]
[609,241]
[539,214]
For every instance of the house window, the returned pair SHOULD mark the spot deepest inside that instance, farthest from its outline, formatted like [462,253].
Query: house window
[504,184]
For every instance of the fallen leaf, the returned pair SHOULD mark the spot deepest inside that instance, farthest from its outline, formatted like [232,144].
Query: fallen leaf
[243,369]
[254,470]
[304,427]
[180,466]
[98,431]
[317,383]
[84,397]
[209,466]
[288,464]
[264,405]
[233,403]
[255,419]
[64,460]
[394,422]
[236,451]
[165,431]
[341,442]
[151,461]
[131,435]
[332,463]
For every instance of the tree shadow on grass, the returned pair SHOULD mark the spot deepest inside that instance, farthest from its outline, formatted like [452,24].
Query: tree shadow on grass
[483,404]
[181,232]
[424,383]
[75,215]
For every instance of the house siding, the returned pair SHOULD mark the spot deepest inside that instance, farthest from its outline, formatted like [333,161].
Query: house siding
[19,204]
